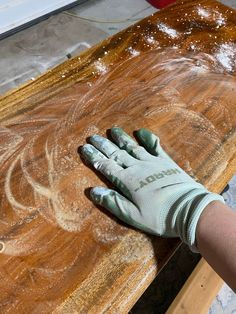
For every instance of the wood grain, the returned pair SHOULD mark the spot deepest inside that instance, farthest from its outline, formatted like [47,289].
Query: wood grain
[174,73]
[202,287]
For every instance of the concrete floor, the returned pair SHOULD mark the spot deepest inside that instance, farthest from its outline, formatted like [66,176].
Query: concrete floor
[27,54]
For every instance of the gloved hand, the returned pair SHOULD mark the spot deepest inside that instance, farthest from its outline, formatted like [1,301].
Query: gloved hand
[157,195]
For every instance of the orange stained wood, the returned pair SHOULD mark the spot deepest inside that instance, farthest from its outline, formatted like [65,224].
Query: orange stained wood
[174,73]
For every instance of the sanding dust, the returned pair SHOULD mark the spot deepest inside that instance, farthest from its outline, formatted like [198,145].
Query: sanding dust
[152,91]
[8,141]
[2,247]
[210,14]
[226,56]
[43,181]
[171,32]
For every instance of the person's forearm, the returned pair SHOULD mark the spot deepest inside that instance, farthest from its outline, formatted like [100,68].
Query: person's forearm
[216,240]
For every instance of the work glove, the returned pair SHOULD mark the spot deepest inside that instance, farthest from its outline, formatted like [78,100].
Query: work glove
[156,195]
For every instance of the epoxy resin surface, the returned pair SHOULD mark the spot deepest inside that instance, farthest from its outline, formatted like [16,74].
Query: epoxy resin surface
[175,78]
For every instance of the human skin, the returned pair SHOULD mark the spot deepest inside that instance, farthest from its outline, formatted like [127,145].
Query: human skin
[216,240]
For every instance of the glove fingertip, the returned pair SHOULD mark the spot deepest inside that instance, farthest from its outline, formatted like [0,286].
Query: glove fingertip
[87,148]
[121,137]
[87,152]
[115,127]
[97,193]
[115,130]
[149,140]
[94,137]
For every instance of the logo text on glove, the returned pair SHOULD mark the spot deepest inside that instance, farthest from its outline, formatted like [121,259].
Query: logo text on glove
[156,176]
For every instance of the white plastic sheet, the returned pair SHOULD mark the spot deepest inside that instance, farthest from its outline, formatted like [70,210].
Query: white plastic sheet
[16,13]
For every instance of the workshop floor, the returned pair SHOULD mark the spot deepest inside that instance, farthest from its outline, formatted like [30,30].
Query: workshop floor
[27,54]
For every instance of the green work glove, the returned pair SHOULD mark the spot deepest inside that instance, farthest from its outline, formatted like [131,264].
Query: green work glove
[157,195]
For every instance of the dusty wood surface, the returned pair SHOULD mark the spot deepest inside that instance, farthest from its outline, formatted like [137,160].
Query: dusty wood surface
[198,292]
[174,73]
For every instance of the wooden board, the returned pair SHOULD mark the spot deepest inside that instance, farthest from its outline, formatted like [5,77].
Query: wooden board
[174,73]
[202,286]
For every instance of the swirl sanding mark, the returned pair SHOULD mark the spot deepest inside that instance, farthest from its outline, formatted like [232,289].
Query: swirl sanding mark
[177,96]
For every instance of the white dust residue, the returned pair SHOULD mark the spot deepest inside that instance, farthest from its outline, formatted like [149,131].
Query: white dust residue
[200,68]
[101,67]
[171,32]
[50,201]
[23,244]
[90,130]
[9,144]
[226,56]
[38,188]
[11,198]
[197,66]
[193,47]
[154,90]
[2,246]
[133,51]
[136,247]
[150,39]
[66,218]
[203,12]
[212,14]
[106,231]
[220,20]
